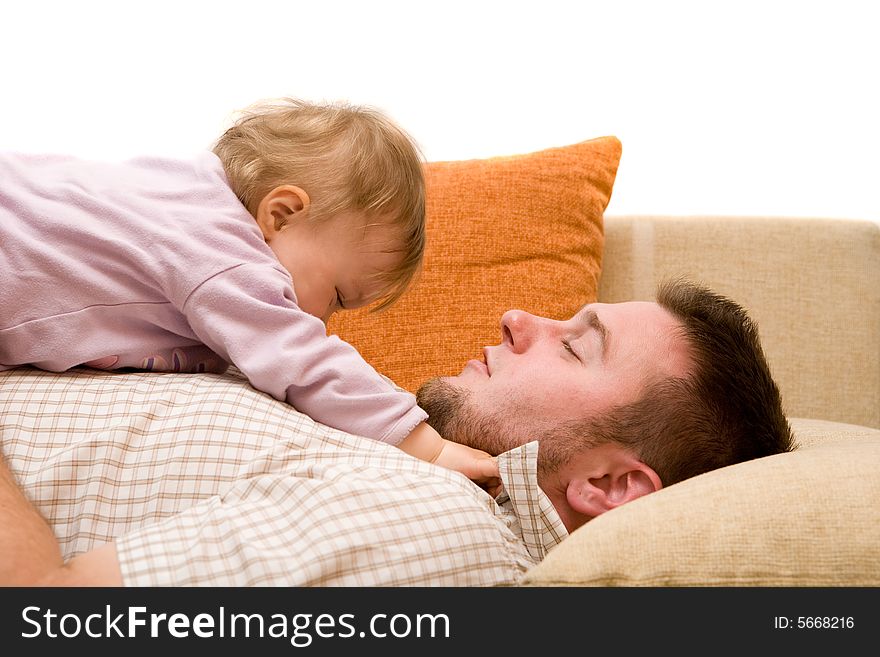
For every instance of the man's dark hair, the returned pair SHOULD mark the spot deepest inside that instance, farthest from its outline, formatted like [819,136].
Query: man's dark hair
[726,411]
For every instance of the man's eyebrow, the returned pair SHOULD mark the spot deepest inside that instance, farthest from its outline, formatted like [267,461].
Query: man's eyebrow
[591,319]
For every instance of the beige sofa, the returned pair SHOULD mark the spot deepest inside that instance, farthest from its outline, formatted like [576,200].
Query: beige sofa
[808,518]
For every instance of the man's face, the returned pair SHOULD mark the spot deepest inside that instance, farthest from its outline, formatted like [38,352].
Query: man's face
[548,373]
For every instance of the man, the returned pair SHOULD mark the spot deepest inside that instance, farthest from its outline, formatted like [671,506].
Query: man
[622,399]
[681,386]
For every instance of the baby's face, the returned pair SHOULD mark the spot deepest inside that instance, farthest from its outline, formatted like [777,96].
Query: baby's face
[333,263]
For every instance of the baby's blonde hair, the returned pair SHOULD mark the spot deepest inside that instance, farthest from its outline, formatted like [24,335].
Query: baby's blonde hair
[346,158]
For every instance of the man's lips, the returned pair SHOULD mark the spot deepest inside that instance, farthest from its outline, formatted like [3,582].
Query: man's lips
[481,365]
[478,365]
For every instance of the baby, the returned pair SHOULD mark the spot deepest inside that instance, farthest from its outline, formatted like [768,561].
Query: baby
[239,255]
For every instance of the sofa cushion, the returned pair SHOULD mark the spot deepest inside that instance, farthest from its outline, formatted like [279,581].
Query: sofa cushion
[521,231]
[807,518]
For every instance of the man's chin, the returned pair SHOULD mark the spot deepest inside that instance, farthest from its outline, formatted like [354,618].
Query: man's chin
[456,416]
[443,401]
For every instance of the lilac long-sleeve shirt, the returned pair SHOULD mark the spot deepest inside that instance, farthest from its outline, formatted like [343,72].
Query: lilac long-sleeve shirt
[155,264]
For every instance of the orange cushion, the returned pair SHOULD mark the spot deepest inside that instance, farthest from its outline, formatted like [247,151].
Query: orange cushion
[521,231]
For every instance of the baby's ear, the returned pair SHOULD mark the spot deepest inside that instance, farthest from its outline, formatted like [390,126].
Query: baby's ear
[279,207]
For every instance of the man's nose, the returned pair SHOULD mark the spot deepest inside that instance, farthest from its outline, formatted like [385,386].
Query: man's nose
[519,329]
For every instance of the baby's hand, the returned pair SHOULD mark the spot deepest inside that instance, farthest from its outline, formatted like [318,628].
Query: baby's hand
[425,443]
[475,464]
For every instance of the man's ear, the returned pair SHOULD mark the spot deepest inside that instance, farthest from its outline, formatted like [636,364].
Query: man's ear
[615,482]
[279,207]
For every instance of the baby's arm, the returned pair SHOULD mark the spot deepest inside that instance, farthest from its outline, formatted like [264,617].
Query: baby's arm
[425,443]
[249,317]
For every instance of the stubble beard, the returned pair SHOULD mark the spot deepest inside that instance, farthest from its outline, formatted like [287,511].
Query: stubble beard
[451,412]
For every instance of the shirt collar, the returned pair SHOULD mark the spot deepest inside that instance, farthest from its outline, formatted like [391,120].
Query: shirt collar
[540,524]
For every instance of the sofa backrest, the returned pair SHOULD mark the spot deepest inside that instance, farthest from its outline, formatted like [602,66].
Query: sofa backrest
[812,285]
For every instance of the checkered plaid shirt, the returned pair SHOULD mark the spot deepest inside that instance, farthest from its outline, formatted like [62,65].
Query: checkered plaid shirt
[202,480]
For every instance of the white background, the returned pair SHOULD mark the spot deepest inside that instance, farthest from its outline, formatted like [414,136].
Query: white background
[761,108]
